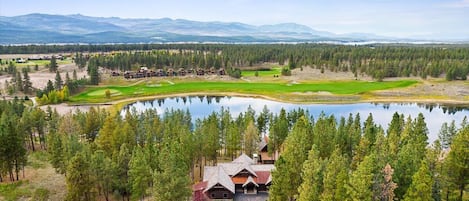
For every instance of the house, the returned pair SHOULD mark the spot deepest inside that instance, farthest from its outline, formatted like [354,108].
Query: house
[241,176]
[200,71]
[210,71]
[20,60]
[128,75]
[221,71]
[190,71]
[182,72]
[160,73]
[170,72]
[114,73]
[264,156]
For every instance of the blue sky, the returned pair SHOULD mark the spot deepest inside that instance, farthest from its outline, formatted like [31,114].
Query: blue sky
[401,18]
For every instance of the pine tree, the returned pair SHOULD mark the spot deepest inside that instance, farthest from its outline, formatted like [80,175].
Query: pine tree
[120,164]
[324,132]
[211,140]
[421,187]
[458,161]
[139,174]
[370,130]
[49,87]
[335,177]
[56,153]
[58,81]
[94,75]
[263,120]
[233,141]
[388,186]
[251,139]
[13,153]
[102,172]
[19,82]
[447,134]
[297,144]
[360,153]
[279,180]
[312,174]
[27,84]
[106,140]
[435,166]
[67,79]
[53,64]
[65,93]
[74,75]
[291,62]
[414,139]
[394,135]
[361,180]
[79,181]
[278,132]
[171,180]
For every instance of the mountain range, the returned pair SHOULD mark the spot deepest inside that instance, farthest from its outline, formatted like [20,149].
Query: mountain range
[45,28]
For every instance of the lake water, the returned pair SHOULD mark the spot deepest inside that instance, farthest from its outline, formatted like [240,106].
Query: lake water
[201,106]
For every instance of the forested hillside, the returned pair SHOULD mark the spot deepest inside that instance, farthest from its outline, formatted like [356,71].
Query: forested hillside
[112,156]
[378,61]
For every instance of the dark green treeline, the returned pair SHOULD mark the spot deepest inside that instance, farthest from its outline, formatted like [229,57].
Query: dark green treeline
[378,61]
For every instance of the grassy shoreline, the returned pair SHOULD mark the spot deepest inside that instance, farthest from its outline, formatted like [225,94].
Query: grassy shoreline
[340,90]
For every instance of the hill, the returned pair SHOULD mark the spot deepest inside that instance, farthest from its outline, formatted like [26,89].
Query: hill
[44,28]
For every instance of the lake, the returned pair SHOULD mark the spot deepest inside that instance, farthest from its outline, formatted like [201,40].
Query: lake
[201,106]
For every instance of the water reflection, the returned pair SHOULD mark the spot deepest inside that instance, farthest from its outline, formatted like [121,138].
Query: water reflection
[201,106]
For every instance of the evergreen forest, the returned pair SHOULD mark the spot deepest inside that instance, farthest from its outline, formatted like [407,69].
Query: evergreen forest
[378,61]
[133,156]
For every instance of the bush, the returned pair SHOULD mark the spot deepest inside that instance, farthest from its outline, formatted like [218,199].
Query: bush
[286,71]
[234,72]
[108,94]
[41,194]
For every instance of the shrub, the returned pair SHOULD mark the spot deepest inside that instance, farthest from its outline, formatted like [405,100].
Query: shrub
[108,94]
[286,71]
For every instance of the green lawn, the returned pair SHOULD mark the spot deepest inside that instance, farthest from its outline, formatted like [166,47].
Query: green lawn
[97,94]
[262,73]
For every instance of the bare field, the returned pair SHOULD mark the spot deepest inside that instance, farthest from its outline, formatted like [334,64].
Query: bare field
[39,79]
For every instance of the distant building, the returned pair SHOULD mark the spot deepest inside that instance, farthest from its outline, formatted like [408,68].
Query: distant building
[20,60]
[226,180]
[264,156]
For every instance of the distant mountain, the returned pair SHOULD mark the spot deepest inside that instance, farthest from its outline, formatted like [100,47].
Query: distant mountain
[44,28]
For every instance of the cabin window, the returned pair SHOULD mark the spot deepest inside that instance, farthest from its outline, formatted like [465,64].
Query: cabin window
[213,195]
[225,195]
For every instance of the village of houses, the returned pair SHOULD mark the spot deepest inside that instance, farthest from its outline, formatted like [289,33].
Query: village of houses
[170,72]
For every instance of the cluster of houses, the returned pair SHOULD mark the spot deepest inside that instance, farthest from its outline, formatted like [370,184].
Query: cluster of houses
[145,72]
[244,178]
[38,57]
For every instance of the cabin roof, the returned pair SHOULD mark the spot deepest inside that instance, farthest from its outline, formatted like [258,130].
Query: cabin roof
[225,174]
[250,180]
[234,168]
[217,175]
[244,159]
[264,142]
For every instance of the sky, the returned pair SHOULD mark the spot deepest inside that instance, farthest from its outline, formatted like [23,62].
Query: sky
[447,19]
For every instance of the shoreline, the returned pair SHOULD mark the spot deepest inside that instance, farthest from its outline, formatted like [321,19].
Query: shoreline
[119,104]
